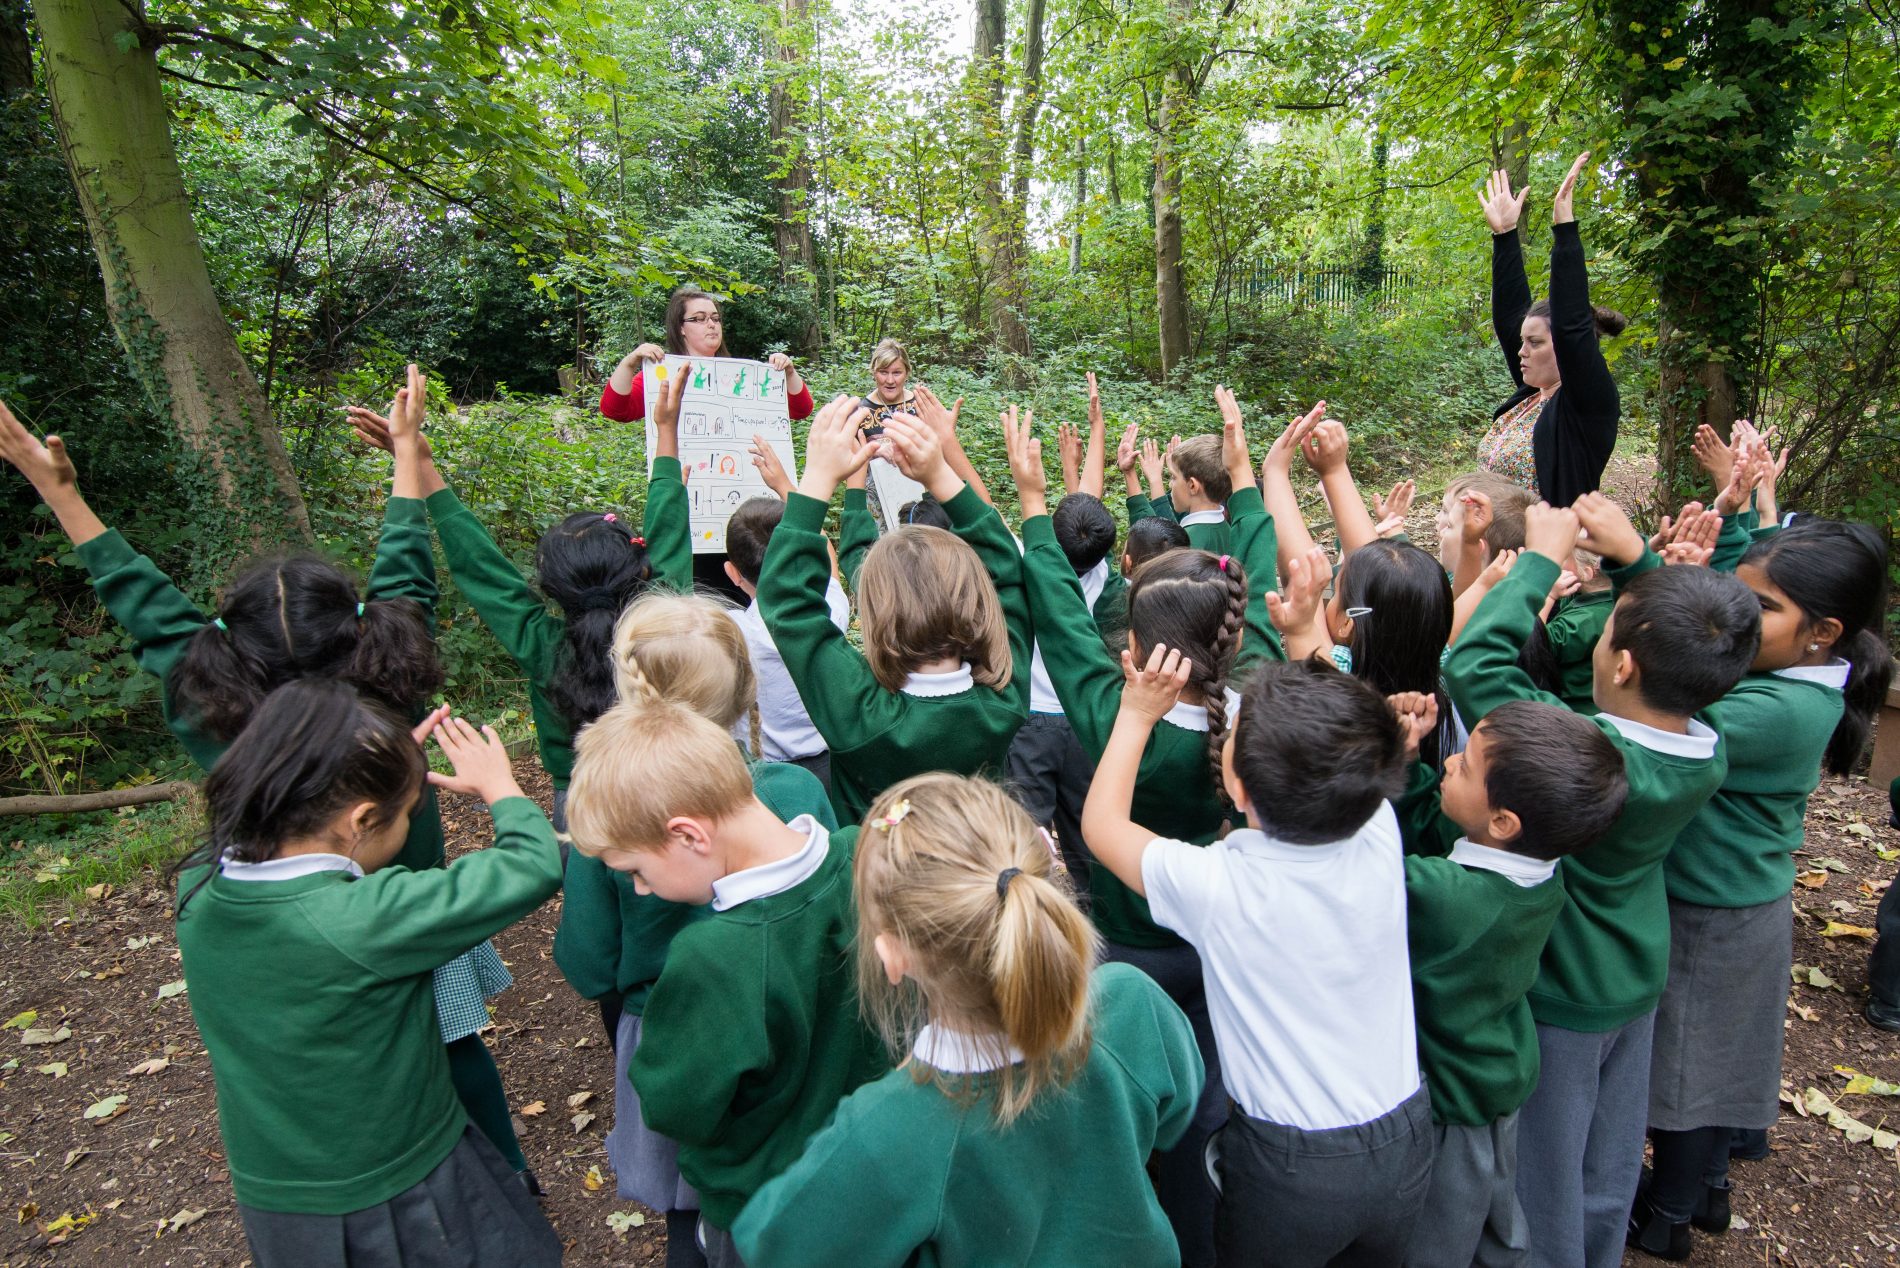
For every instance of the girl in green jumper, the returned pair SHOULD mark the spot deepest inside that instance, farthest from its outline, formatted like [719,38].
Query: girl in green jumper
[1807,702]
[296,934]
[1205,605]
[288,618]
[1033,1085]
[933,688]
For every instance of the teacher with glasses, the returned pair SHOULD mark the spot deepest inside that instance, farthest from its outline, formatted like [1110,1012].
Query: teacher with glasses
[694,328]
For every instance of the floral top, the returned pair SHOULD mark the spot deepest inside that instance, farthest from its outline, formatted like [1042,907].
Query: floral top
[1506,448]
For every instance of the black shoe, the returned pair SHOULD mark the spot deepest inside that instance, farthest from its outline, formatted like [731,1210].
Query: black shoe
[1654,1235]
[1712,1213]
[1881,1017]
[1748,1144]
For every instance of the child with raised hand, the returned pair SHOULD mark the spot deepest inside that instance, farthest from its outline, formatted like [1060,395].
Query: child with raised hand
[1198,489]
[1299,920]
[303,938]
[1677,641]
[750,1036]
[1325,453]
[283,618]
[1534,784]
[938,685]
[591,565]
[1033,1084]
[1807,701]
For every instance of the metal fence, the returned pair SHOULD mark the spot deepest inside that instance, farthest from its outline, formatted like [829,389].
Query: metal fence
[1320,286]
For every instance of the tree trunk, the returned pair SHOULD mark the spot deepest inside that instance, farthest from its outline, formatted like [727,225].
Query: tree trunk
[1079,196]
[791,230]
[1170,280]
[16,51]
[1511,151]
[998,231]
[114,131]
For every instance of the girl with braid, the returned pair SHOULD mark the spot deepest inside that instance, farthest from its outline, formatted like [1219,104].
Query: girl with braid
[1199,603]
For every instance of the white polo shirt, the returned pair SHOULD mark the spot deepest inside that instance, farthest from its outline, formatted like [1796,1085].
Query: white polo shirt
[1309,982]
[1042,692]
[786,731]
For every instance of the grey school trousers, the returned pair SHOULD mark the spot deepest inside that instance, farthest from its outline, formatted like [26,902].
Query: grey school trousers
[1580,1142]
[1348,1196]
[1471,1217]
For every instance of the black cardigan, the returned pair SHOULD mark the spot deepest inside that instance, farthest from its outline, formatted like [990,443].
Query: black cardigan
[1576,430]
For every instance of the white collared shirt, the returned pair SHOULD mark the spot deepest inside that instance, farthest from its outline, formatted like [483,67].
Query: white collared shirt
[1833,674]
[1042,692]
[1699,742]
[1521,870]
[779,875]
[949,683]
[1193,717]
[288,868]
[1215,516]
[785,727]
[959,1052]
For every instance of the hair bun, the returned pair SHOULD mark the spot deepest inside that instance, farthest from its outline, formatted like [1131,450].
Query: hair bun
[1610,323]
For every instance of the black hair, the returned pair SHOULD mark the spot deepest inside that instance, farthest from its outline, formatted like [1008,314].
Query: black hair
[1399,645]
[1693,633]
[592,567]
[1152,536]
[1834,569]
[1538,659]
[1609,322]
[1318,751]
[313,748]
[926,512]
[1197,605]
[748,531]
[1557,772]
[297,616]
[1085,530]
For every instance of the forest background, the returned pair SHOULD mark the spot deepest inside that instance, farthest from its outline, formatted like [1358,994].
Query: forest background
[220,223]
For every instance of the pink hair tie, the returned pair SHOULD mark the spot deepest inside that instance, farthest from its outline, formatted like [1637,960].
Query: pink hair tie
[1223,562]
[610,517]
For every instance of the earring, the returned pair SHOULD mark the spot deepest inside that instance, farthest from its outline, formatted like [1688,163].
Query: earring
[1814,647]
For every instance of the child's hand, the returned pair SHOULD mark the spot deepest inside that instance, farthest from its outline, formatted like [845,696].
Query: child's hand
[1749,466]
[1025,464]
[373,429]
[480,759]
[770,469]
[1477,517]
[941,419]
[1552,532]
[1069,445]
[1390,511]
[1151,465]
[1325,449]
[1127,450]
[1294,608]
[46,465]
[1095,405]
[1280,453]
[405,412]
[1606,529]
[666,409]
[914,447]
[1498,569]
[1417,712]
[1233,440]
[1666,531]
[1148,692]
[833,447]
[1712,455]
[1692,538]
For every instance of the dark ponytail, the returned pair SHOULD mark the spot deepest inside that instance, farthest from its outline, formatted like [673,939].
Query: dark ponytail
[1610,323]
[298,617]
[1195,603]
[1833,569]
[1399,645]
[592,567]
[312,749]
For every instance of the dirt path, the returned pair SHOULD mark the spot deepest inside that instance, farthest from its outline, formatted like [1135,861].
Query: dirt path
[96,1191]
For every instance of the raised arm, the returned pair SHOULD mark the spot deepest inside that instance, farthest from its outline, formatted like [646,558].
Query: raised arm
[1588,389]
[1510,290]
[666,523]
[1482,671]
[1113,837]
[1325,453]
[1253,539]
[1276,486]
[942,422]
[1094,452]
[405,557]
[49,469]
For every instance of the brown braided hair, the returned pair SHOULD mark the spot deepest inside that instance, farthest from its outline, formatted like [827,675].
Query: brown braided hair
[1195,602]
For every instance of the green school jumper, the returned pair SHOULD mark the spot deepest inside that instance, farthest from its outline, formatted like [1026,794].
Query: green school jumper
[613,940]
[1573,631]
[857,533]
[162,621]
[876,736]
[520,619]
[1111,609]
[1608,955]
[908,1174]
[1141,507]
[1215,538]
[313,997]
[751,1035]
[1738,851]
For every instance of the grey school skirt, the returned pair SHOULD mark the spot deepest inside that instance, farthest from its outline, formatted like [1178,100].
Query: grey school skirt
[472,1211]
[1716,1061]
[646,1164]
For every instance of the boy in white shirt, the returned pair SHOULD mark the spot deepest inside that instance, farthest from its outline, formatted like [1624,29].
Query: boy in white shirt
[1299,920]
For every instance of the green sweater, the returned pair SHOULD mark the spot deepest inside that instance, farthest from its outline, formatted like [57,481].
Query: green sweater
[857,533]
[877,736]
[752,1036]
[1608,956]
[1256,544]
[1141,507]
[313,997]
[1476,938]
[162,622]
[1110,610]
[613,940]
[1573,630]
[1738,851]
[906,1174]
[520,619]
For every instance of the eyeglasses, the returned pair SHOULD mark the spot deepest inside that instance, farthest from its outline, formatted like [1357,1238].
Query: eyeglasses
[700,319]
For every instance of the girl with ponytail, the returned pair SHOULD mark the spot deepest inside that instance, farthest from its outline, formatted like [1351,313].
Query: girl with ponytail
[1200,603]
[1033,1085]
[285,619]
[1806,704]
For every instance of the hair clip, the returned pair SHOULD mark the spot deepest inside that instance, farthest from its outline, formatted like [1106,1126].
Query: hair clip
[898,810]
[637,540]
[219,622]
[1223,562]
[359,611]
[1003,878]
[1356,613]
[610,517]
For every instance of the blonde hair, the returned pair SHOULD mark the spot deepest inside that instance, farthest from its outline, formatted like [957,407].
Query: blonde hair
[1199,458]
[924,594]
[888,353]
[1489,483]
[647,761]
[689,650]
[997,947]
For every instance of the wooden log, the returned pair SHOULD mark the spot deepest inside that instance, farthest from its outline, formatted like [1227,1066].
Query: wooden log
[111,799]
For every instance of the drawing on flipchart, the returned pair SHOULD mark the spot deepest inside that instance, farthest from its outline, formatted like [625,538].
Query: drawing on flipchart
[727,402]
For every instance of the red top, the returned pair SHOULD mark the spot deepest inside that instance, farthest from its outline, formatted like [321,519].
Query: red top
[633,406]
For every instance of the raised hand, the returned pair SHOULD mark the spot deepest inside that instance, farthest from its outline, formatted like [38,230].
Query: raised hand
[1233,439]
[833,447]
[1025,464]
[919,454]
[1417,712]
[940,418]
[45,464]
[1712,455]
[666,411]
[1151,470]
[1069,445]
[1477,518]
[1390,511]
[1551,531]
[1294,608]
[1325,449]
[770,469]
[1750,464]
[1280,453]
[1692,538]
[480,760]
[1606,529]
[1560,209]
[1501,207]
[1498,569]
[1149,691]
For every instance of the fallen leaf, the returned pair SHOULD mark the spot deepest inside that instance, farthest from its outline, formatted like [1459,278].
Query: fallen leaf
[1813,880]
[621,1221]
[99,891]
[74,1155]
[581,1119]
[1844,907]
[533,1108]
[1886,855]
[1859,829]
[1822,980]
[55,1068]
[41,1035]
[139,944]
[593,1180]
[1805,1014]
[1857,1132]
[28,1210]
[111,1107]
[1859,1084]
[20,1021]
[1835,929]
[155,1064]
[186,1215]
[117,970]
[1832,865]
[172,988]
[579,1099]
[61,1229]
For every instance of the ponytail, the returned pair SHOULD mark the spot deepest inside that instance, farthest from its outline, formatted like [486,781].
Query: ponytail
[1609,322]
[1039,971]
[1867,682]
[394,659]
[592,567]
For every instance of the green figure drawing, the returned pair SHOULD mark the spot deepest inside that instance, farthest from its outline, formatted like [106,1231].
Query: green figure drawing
[765,385]
[701,379]
[738,386]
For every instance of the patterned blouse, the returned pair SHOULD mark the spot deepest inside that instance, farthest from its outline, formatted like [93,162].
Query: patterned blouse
[1506,448]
